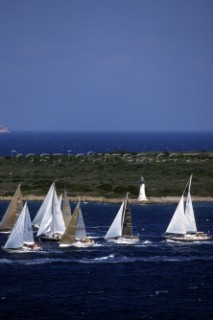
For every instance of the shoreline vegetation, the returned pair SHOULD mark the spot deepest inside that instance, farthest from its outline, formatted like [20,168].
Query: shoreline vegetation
[107,177]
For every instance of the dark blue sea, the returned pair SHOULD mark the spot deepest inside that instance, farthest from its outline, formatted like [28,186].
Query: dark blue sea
[151,280]
[86,142]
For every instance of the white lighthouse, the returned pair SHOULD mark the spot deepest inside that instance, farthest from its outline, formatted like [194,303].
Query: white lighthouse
[142,194]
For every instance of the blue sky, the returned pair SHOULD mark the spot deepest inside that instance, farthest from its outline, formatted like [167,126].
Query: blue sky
[110,65]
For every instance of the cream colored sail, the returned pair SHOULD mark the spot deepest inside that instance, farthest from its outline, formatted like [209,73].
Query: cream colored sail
[65,208]
[13,211]
[69,236]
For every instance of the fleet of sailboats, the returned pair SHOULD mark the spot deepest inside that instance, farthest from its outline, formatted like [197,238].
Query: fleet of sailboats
[120,230]
[55,221]
[182,226]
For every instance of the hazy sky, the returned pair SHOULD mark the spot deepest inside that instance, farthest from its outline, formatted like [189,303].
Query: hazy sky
[106,65]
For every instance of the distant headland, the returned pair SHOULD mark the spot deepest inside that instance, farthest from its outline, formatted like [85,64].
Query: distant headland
[4,129]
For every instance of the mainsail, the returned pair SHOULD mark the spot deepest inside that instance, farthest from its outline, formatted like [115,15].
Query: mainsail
[13,211]
[189,212]
[65,208]
[69,235]
[80,230]
[58,225]
[127,222]
[41,212]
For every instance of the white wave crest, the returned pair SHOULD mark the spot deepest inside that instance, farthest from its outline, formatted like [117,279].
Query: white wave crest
[111,256]
[33,261]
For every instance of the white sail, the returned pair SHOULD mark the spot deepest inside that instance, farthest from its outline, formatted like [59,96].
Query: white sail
[177,223]
[189,215]
[60,199]
[22,230]
[183,225]
[28,236]
[80,230]
[45,225]
[58,225]
[52,221]
[39,216]
[115,229]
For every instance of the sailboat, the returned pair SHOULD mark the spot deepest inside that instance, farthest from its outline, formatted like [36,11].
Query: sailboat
[120,230]
[75,233]
[13,211]
[65,208]
[182,226]
[21,239]
[52,224]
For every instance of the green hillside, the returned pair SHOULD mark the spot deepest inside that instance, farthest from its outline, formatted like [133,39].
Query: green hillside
[109,175]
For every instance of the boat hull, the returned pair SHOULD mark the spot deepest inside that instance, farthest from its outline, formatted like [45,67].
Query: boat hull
[78,244]
[54,237]
[124,240]
[6,231]
[199,236]
[20,250]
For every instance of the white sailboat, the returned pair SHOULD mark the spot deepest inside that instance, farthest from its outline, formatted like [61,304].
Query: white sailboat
[21,239]
[13,211]
[182,226]
[75,233]
[120,230]
[52,224]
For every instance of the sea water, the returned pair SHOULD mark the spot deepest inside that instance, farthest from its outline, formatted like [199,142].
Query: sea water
[153,279]
[85,142]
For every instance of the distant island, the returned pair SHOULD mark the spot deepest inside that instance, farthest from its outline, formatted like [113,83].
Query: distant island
[4,129]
